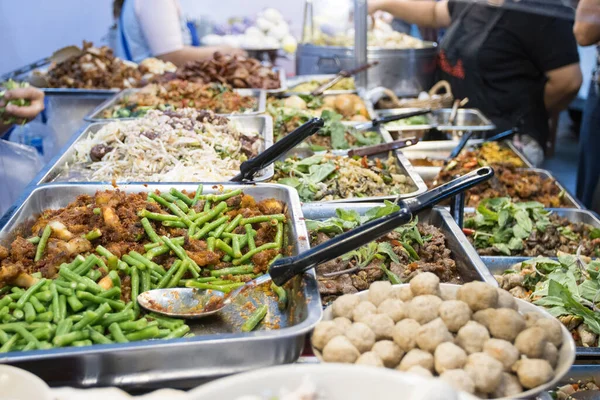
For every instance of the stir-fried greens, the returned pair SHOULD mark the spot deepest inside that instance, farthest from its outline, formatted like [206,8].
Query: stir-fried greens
[329,177]
[568,288]
[350,106]
[500,226]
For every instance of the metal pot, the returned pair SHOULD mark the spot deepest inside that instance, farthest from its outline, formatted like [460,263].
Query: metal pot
[405,71]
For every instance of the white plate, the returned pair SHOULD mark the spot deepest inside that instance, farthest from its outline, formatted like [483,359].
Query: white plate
[18,384]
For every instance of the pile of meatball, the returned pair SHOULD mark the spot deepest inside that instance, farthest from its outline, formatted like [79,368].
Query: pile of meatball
[476,340]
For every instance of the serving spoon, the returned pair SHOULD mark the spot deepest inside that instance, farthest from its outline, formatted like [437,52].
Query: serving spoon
[196,303]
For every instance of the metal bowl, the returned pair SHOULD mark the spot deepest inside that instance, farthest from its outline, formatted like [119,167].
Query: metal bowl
[566,354]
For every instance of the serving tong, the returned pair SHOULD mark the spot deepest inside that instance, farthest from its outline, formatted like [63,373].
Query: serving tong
[465,138]
[190,303]
[341,75]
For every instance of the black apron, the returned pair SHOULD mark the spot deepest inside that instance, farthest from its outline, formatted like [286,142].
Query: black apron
[459,63]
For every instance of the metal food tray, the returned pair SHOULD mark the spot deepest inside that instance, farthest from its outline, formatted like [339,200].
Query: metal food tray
[469,264]
[292,82]
[467,119]
[218,348]
[578,372]
[62,168]
[96,114]
[282,80]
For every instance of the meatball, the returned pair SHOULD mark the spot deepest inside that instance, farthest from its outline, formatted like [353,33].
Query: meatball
[340,350]
[381,324]
[342,323]
[425,283]
[531,318]
[402,293]
[509,386]
[389,352]
[531,342]
[379,291]
[424,309]
[506,300]
[447,293]
[361,336]
[455,314]
[418,370]
[449,356]
[393,308]
[459,380]
[484,317]
[344,306]
[551,354]
[432,334]
[472,336]
[502,351]
[369,358]
[363,310]
[506,324]
[416,357]
[405,334]
[552,329]
[533,372]
[478,295]
[324,332]
[485,371]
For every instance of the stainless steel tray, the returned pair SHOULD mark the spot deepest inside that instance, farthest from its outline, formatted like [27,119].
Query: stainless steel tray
[60,168]
[216,350]
[282,80]
[295,81]
[578,372]
[96,114]
[467,119]
[469,264]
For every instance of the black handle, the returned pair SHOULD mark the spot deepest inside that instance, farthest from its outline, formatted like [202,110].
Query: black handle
[383,148]
[461,145]
[390,118]
[249,168]
[284,269]
[502,135]
[347,74]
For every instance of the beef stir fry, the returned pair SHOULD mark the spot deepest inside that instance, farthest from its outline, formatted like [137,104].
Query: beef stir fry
[74,281]
[397,257]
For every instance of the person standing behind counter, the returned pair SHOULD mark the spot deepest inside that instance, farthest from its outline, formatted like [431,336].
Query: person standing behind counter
[517,68]
[155,28]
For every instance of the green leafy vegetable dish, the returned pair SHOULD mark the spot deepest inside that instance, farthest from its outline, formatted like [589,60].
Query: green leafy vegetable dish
[329,177]
[568,288]
[501,227]
[412,121]
[398,256]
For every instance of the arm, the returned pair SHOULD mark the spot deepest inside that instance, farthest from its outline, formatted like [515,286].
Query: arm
[587,22]
[562,87]
[26,113]
[190,53]
[426,13]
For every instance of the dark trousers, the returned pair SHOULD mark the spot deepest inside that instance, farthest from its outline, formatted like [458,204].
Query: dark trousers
[588,171]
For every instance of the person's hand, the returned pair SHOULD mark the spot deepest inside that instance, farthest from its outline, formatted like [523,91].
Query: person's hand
[234,51]
[375,5]
[35,98]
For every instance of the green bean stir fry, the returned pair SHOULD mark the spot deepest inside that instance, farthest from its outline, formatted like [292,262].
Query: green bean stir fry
[75,282]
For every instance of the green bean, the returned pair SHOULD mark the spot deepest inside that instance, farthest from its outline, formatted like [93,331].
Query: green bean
[150,231]
[69,338]
[209,286]
[115,291]
[76,317]
[29,346]
[175,224]
[8,346]
[90,317]
[113,263]
[133,262]
[55,308]
[181,204]
[82,343]
[225,196]
[85,266]
[42,243]
[19,314]
[197,194]
[250,236]
[64,327]
[176,193]
[207,205]
[206,279]
[37,305]
[42,333]
[71,276]
[235,245]
[65,291]
[27,295]
[94,275]
[263,218]
[134,325]
[112,304]
[211,214]
[210,244]
[179,332]
[145,281]
[4,311]
[126,315]
[149,246]
[227,258]
[160,250]
[148,333]
[279,235]
[135,288]
[281,296]
[98,337]
[210,226]
[172,207]
[167,277]
[179,252]
[157,217]
[219,231]
[45,316]
[6,300]
[234,223]
[171,325]
[251,253]
[45,346]
[124,267]
[168,197]
[97,211]
[93,234]
[114,277]
[178,274]
[44,296]
[254,319]
[29,312]
[104,252]
[4,337]
[224,247]
[152,265]
[20,329]
[192,270]
[116,333]
[76,262]
[34,239]
[163,333]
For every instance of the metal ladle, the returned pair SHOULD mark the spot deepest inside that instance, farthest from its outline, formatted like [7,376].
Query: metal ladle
[196,303]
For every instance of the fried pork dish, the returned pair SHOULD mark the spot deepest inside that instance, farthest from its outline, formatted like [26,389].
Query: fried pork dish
[329,177]
[490,153]
[177,94]
[397,257]
[237,71]
[350,106]
[508,181]
[74,279]
[171,146]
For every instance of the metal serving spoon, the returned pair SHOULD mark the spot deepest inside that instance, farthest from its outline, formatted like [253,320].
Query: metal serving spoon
[196,303]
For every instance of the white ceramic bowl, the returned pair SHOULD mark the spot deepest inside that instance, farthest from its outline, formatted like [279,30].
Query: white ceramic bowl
[566,355]
[18,384]
[333,382]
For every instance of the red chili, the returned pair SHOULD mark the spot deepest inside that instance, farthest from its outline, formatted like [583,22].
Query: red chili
[468,231]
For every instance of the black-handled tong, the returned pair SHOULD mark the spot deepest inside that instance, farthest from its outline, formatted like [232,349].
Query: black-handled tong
[341,75]
[284,269]
[465,138]
[390,118]
[249,168]
[502,135]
